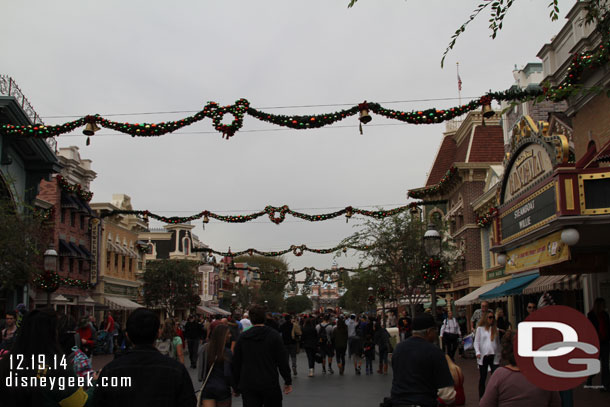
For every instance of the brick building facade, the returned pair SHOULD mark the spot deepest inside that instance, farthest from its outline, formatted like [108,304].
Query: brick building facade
[68,194]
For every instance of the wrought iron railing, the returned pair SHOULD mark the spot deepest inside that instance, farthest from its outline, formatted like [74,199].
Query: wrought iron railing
[8,87]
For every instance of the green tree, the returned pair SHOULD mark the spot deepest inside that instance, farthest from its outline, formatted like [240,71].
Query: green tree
[274,279]
[23,239]
[598,12]
[397,251]
[170,285]
[297,304]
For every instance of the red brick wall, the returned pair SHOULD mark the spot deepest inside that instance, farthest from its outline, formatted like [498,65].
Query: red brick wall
[51,192]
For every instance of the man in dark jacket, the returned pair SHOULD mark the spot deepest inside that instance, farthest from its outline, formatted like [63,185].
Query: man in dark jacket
[155,380]
[259,354]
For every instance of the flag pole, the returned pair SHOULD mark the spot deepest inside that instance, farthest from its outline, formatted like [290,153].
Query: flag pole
[457,67]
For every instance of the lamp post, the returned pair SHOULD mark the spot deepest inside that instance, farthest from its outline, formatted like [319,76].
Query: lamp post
[370,290]
[432,247]
[50,266]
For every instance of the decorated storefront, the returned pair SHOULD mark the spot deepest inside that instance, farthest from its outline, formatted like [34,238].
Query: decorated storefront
[552,219]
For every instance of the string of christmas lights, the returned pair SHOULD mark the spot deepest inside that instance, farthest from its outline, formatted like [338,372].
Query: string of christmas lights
[276,214]
[296,250]
[215,112]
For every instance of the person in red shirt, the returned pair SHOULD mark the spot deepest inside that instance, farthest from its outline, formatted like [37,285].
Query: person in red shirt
[86,336]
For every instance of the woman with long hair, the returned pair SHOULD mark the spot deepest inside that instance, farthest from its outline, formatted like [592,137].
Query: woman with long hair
[340,341]
[215,369]
[458,382]
[310,343]
[169,343]
[487,348]
[508,387]
[37,340]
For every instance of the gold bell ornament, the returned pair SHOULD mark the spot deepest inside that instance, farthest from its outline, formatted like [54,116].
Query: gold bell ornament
[365,117]
[90,128]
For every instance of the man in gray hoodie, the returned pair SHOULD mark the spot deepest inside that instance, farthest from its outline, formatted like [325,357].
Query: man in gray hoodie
[259,355]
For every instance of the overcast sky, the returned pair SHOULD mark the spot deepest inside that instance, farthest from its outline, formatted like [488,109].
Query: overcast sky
[78,57]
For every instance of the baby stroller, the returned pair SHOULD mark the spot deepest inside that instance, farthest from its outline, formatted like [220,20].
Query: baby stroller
[101,343]
[467,345]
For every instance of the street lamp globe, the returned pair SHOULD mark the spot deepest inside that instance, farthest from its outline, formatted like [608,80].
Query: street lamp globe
[432,241]
[50,259]
[370,289]
[233,295]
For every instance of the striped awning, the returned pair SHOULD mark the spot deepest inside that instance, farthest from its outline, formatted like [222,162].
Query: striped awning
[550,283]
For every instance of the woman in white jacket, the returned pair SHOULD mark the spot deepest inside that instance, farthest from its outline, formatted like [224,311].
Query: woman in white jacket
[487,348]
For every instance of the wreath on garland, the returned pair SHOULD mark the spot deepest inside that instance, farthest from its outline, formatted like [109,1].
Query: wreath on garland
[48,281]
[433,271]
[371,300]
[381,293]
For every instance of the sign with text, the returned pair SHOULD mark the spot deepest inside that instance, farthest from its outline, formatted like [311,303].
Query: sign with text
[526,215]
[542,252]
[532,164]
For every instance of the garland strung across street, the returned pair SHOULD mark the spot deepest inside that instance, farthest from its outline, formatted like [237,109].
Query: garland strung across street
[276,214]
[296,250]
[215,112]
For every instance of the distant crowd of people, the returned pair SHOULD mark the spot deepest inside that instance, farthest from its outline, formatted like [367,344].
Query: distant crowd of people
[246,356]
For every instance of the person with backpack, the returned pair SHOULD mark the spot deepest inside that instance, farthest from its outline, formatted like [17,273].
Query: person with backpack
[325,330]
[215,370]
[169,343]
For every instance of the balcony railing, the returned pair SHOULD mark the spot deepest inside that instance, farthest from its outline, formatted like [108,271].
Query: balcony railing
[8,87]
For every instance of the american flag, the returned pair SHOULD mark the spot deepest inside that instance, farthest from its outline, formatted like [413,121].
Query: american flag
[459,83]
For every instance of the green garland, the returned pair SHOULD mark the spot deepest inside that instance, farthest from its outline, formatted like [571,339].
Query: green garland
[74,189]
[276,214]
[486,219]
[296,250]
[433,189]
[580,63]
[50,282]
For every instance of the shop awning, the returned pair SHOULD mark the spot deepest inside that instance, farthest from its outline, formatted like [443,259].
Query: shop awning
[474,296]
[86,251]
[65,249]
[121,303]
[550,283]
[111,247]
[202,309]
[68,202]
[220,311]
[77,250]
[511,287]
[439,303]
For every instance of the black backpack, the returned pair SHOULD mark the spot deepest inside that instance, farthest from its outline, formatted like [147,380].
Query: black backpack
[323,335]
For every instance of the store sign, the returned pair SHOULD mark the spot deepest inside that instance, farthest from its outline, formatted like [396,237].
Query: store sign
[95,232]
[493,274]
[530,213]
[531,165]
[540,253]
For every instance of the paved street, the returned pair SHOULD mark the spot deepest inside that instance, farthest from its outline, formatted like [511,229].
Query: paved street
[356,391]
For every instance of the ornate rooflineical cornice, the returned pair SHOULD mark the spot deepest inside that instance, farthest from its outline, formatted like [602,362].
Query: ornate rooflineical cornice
[527,132]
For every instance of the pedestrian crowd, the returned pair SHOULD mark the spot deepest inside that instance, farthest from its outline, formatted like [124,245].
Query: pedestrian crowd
[247,356]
